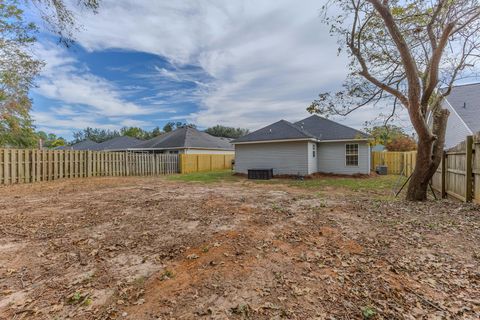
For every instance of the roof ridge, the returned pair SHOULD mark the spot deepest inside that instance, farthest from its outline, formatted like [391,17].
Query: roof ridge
[303,130]
[335,122]
[299,129]
[187,134]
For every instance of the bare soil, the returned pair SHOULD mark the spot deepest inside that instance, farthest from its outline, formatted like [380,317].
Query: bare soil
[149,248]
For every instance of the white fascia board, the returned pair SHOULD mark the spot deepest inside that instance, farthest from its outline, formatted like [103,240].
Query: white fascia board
[345,140]
[178,148]
[271,141]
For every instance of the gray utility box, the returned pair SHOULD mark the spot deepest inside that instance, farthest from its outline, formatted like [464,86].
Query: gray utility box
[382,170]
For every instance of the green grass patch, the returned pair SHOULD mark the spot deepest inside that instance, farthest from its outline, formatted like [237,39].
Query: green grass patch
[355,184]
[206,177]
[380,183]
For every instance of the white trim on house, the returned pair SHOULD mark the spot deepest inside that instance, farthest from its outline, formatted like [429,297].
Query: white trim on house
[345,140]
[370,157]
[270,141]
[178,148]
[358,155]
[303,139]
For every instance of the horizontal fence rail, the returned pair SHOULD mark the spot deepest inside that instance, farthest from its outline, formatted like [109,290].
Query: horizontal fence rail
[30,165]
[458,175]
[190,163]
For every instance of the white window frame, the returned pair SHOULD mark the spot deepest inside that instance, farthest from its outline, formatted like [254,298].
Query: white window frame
[314,150]
[358,155]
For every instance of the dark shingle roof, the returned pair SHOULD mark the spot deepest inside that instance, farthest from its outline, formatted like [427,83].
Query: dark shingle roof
[281,130]
[313,127]
[119,143]
[324,129]
[82,145]
[186,137]
[465,99]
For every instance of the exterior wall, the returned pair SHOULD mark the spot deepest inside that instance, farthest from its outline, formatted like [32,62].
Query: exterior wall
[457,130]
[208,151]
[331,158]
[282,157]
[312,160]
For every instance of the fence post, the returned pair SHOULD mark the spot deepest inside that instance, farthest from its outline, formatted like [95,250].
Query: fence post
[127,166]
[444,174]
[468,169]
[13,166]
[88,163]
[182,162]
[6,168]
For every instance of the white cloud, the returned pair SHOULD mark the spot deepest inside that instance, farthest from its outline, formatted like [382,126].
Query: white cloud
[54,123]
[63,80]
[268,59]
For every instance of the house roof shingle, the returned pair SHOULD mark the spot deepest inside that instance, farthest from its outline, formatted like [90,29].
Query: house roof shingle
[313,127]
[186,137]
[82,145]
[119,143]
[281,130]
[465,99]
[325,129]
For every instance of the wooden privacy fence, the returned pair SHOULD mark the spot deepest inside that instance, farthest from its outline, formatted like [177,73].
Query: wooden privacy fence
[29,165]
[458,175]
[190,163]
[402,163]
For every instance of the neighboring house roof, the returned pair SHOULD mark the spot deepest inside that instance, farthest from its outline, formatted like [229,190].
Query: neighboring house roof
[313,127]
[82,145]
[465,100]
[119,143]
[186,137]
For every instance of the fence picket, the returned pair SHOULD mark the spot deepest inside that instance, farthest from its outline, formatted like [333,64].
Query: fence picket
[24,166]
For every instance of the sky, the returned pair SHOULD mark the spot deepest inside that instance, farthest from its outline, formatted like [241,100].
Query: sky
[143,63]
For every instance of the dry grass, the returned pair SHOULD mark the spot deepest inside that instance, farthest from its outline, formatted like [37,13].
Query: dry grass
[148,248]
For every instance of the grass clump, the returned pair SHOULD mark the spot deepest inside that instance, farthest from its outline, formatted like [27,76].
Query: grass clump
[205,177]
[79,298]
[368,313]
[167,274]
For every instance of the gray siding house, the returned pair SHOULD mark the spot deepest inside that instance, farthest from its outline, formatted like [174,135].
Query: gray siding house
[464,106]
[308,146]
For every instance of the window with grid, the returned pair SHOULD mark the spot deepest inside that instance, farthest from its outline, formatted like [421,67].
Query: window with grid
[351,154]
[314,149]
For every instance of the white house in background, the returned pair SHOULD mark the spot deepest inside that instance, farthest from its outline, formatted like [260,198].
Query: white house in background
[464,106]
[308,146]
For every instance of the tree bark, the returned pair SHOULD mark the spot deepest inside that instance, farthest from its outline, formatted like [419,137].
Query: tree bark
[429,156]
[418,185]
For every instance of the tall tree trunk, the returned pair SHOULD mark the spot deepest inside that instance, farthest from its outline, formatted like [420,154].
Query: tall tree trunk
[429,157]
[418,186]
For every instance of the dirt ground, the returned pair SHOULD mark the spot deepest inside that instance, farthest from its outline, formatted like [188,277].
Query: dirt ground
[149,248]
